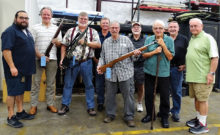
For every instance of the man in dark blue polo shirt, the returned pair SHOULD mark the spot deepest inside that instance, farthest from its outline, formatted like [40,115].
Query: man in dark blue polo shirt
[19,64]
[100,78]
[177,67]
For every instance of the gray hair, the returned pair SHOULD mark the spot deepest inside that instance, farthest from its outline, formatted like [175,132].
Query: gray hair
[105,18]
[196,19]
[159,22]
[46,8]
[113,22]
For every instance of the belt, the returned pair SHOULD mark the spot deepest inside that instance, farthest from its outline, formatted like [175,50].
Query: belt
[81,61]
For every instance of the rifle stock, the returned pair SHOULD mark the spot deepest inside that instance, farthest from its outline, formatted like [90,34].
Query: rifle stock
[47,52]
[111,63]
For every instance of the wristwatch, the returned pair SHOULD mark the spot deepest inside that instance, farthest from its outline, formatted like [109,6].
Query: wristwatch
[212,73]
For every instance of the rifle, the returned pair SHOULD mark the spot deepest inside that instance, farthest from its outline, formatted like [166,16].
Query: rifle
[72,45]
[111,63]
[47,52]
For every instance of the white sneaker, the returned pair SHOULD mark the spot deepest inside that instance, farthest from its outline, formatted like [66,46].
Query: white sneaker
[140,107]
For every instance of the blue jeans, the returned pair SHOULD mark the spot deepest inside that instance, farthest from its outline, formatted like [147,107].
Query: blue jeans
[71,73]
[176,78]
[100,87]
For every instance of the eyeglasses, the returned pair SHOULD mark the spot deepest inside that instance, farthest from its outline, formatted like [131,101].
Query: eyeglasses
[158,28]
[23,18]
[193,26]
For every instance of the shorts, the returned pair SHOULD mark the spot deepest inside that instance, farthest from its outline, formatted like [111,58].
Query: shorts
[139,75]
[200,91]
[18,84]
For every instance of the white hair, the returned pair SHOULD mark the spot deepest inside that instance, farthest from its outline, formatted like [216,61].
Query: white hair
[195,19]
[115,22]
[159,22]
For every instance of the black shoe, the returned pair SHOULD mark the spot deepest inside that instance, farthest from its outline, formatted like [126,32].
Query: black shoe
[192,122]
[158,114]
[199,129]
[100,107]
[175,117]
[14,122]
[24,116]
[63,110]
[147,118]
[164,123]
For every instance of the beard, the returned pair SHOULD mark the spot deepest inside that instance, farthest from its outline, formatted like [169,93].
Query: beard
[22,25]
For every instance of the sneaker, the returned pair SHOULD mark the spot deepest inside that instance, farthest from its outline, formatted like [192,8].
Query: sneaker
[192,122]
[199,129]
[14,122]
[130,123]
[139,107]
[91,112]
[63,110]
[176,117]
[24,116]
[108,119]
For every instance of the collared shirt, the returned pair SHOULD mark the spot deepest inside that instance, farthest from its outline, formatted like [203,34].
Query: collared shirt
[102,38]
[43,35]
[138,44]
[180,45]
[89,52]
[198,58]
[113,49]
[150,64]
[22,49]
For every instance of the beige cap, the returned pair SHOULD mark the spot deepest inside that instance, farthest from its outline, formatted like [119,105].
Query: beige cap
[136,23]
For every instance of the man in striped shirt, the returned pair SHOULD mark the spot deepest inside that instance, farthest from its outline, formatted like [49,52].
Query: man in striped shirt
[43,34]
[121,74]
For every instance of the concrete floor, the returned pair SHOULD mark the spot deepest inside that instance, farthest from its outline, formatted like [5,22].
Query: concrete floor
[78,122]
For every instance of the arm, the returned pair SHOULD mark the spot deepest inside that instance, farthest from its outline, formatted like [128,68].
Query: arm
[8,58]
[150,54]
[213,67]
[63,53]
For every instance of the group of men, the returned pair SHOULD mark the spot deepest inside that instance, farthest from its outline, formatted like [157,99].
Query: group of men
[161,64]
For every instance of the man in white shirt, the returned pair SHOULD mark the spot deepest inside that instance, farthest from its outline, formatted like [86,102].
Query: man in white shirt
[43,34]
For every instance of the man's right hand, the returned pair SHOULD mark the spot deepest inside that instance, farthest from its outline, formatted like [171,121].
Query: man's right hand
[98,70]
[14,71]
[61,63]
[158,50]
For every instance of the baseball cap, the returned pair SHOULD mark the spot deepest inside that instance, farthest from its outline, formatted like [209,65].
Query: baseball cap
[136,23]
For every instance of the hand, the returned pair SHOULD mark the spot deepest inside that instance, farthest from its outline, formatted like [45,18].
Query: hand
[56,42]
[209,79]
[14,71]
[161,42]
[158,50]
[181,67]
[95,60]
[99,70]
[61,63]
[81,41]
[47,59]
[137,52]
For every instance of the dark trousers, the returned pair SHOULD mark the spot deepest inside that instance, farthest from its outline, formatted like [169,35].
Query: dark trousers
[163,89]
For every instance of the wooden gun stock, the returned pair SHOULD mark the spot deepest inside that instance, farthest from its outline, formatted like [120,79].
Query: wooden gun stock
[47,52]
[111,63]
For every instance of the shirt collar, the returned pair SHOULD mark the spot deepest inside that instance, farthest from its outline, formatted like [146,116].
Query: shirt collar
[199,35]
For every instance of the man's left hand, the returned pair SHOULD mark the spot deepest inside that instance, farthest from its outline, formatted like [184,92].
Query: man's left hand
[181,67]
[209,78]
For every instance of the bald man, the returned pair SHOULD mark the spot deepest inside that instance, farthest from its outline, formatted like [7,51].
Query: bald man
[201,64]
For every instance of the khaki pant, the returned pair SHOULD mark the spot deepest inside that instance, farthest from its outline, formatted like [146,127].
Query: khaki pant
[200,91]
[50,70]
